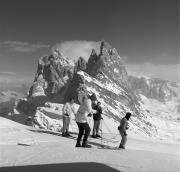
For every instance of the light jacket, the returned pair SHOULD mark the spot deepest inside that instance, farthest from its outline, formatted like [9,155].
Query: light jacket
[85,108]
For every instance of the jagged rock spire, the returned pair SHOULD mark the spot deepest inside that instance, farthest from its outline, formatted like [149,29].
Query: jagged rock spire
[81,64]
[93,57]
[93,53]
[105,47]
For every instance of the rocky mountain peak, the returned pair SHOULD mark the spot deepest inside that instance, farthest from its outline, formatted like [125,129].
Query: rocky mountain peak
[56,70]
[109,63]
[93,53]
[105,47]
[81,64]
[63,60]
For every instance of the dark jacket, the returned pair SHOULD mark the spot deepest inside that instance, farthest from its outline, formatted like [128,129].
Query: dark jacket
[97,116]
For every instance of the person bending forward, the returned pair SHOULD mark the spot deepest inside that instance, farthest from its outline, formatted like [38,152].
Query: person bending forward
[81,120]
[122,130]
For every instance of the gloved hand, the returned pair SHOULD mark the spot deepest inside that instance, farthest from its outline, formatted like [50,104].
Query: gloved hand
[125,133]
[89,115]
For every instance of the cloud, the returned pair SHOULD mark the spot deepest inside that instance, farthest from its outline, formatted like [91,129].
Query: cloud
[125,59]
[7,73]
[168,72]
[77,48]
[25,47]
[8,77]
[13,78]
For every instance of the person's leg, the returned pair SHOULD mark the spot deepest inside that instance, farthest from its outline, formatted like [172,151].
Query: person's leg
[67,125]
[64,126]
[97,128]
[81,132]
[122,136]
[123,140]
[94,129]
[86,135]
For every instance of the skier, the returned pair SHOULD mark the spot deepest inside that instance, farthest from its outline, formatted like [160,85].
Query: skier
[122,129]
[82,122]
[68,110]
[97,118]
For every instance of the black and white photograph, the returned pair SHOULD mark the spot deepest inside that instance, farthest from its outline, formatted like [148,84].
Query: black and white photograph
[89,85]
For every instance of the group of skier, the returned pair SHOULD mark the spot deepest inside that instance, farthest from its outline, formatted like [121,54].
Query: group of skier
[89,106]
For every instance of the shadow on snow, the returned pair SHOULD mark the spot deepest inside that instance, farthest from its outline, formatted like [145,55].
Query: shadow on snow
[64,167]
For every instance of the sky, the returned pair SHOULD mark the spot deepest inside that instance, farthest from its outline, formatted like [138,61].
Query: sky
[144,32]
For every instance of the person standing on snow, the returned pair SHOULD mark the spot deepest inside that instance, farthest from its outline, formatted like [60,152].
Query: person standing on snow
[68,111]
[85,108]
[97,118]
[122,130]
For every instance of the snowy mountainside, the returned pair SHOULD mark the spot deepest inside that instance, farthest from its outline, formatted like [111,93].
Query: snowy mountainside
[149,122]
[116,102]
[154,103]
[163,115]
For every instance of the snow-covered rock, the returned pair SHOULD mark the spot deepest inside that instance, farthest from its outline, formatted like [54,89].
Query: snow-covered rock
[43,121]
[50,117]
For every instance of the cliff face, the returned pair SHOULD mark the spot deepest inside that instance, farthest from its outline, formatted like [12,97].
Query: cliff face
[57,71]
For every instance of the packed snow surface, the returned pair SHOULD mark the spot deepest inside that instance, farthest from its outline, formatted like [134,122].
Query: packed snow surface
[27,149]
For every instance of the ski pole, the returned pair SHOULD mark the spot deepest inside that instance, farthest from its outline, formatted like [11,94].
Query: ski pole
[110,132]
[101,133]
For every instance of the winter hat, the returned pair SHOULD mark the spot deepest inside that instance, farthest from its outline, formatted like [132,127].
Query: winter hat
[93,97]
[128,115]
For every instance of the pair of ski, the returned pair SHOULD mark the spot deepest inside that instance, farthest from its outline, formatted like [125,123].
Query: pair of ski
[106,139]
[102,147]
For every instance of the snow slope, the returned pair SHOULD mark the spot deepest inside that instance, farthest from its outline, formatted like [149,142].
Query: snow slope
[55,153]
[154,119]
